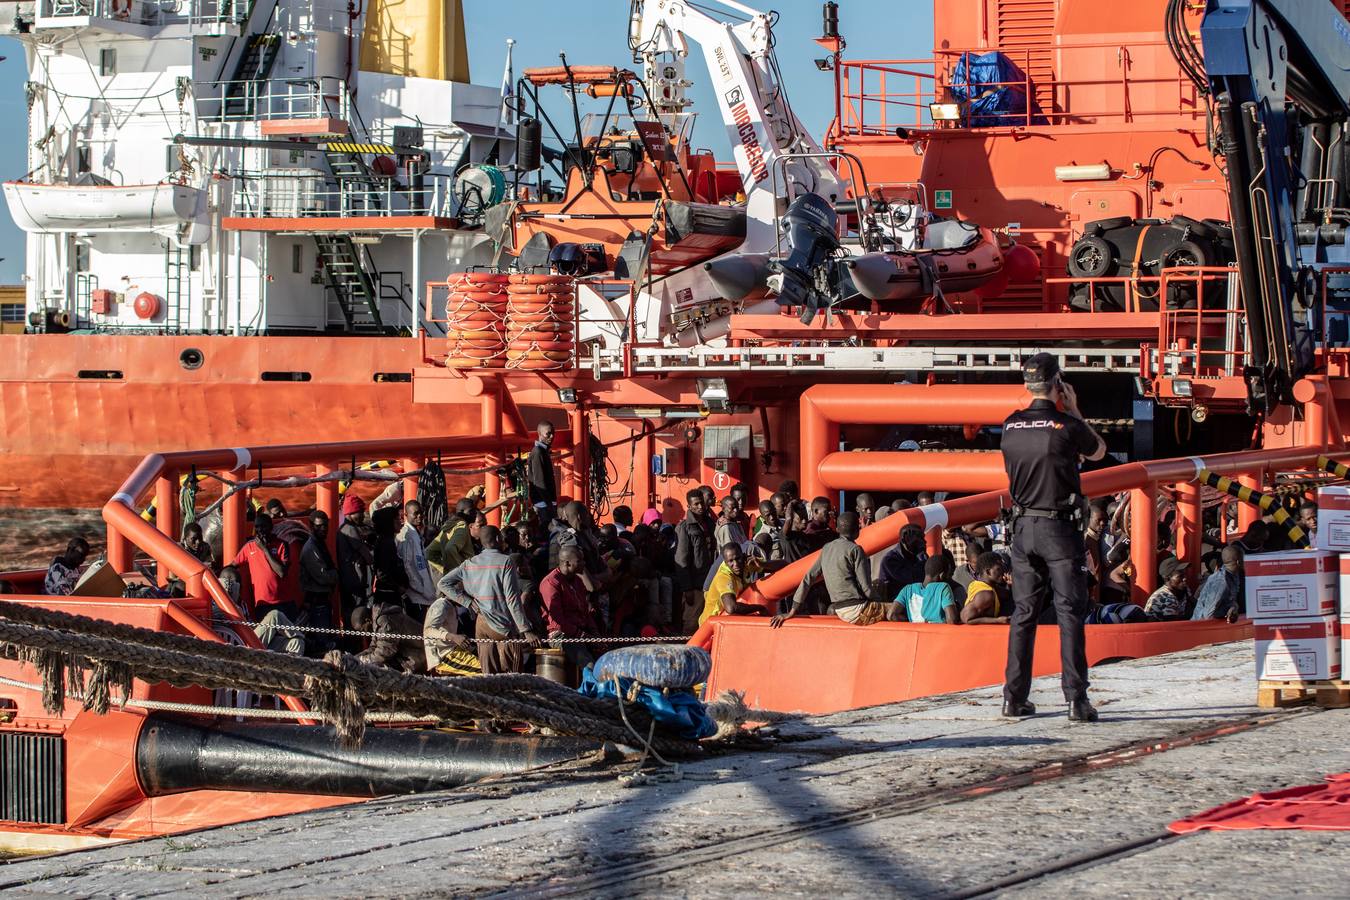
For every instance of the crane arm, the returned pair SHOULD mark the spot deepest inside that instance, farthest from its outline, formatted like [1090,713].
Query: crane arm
[750,96]
[1279,72]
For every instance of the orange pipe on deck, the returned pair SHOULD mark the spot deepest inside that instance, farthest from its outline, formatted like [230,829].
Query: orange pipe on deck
[1190,529]
[1144,540]
[910,472]
[824,407]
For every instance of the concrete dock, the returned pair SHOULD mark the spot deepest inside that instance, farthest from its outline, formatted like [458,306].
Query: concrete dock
[937,797]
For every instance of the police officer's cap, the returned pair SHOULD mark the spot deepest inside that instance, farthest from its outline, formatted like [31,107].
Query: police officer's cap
[1040,370]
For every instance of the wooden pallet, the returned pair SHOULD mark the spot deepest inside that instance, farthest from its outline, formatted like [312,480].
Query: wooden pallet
[1281,694]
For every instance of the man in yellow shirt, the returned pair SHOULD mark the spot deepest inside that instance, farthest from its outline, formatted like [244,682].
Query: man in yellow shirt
[731,578]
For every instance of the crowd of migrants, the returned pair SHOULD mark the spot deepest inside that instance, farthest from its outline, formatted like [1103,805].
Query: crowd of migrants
[483,597]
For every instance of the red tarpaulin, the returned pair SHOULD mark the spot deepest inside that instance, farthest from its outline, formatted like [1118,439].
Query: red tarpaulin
[1313,807]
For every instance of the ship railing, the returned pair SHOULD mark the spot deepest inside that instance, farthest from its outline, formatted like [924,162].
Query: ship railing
[250,101]
[875,97]
[311,193]
[200,14]
[1208,340]
[136,12]
[1142,293]
[318,470]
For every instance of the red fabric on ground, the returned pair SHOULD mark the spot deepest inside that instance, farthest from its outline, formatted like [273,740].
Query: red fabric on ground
[1312,807]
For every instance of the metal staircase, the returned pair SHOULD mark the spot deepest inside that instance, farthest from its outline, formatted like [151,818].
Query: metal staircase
[360,190]
[255,64]
[349,280]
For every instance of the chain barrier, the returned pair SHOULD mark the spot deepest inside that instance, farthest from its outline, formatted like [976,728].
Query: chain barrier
[343,632]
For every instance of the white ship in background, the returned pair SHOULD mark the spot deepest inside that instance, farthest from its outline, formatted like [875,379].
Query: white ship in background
[242,167]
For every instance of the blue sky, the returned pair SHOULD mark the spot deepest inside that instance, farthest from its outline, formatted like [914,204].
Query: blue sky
[591,32]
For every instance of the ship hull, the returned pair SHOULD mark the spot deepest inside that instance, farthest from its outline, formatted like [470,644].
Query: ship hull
[72,434]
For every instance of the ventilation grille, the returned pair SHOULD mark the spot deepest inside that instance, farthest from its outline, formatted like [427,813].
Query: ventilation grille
[1026,33]
[32,778]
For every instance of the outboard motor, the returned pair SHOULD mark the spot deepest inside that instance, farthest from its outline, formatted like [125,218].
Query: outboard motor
[803,278]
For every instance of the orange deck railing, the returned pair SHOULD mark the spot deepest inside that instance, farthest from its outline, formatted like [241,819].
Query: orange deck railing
[877,96]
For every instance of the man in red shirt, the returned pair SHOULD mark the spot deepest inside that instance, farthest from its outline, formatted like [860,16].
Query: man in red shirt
[262,565]
[567,606]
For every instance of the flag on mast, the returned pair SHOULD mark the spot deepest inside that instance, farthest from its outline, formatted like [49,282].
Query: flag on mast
[508,88]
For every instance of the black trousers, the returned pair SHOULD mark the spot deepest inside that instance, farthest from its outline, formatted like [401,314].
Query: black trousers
[1047,557]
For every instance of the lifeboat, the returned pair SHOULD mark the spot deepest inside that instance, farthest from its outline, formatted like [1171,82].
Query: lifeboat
[956,256]
[163,207]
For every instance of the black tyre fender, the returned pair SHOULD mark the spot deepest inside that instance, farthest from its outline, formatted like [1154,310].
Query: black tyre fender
[1091,257]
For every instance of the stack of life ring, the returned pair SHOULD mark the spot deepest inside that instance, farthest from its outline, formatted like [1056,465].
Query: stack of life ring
[539,322]
[475,321]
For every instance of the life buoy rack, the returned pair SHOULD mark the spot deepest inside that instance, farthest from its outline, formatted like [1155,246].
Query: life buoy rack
[475,321]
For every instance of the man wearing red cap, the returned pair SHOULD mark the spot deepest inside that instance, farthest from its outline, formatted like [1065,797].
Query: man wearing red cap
[354,555]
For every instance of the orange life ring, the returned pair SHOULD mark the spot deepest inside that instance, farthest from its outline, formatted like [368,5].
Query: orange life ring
[562,347]
[553,326]
[531,308]
[542,290]
[541,279]
[536,365]
[478,278]
[525,333]
[551,355]
[472,314]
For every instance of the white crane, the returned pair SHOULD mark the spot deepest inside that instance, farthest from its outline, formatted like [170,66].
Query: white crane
[777,157]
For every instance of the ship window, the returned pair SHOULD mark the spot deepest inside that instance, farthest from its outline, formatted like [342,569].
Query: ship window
[82,160]
[107,61]
[286,376]
[396,377]
[194,257]
[297,258]
[11,312]
[101,374]
[81,257]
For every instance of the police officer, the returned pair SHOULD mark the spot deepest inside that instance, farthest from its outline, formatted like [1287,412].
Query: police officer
[1042,447]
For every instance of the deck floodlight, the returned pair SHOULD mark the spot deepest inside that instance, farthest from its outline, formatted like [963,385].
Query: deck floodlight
[567,395]
[714,393]
[945,112]
[1181,387]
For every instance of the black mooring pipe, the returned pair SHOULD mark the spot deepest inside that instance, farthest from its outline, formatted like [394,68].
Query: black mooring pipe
[174,755]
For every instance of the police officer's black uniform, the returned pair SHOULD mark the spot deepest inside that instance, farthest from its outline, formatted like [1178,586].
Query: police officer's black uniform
[1041,450]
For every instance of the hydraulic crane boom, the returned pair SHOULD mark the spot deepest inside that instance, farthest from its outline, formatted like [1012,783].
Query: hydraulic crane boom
[750,95]
[1279,73]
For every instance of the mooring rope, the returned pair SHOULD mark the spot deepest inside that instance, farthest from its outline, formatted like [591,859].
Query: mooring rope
[340,688]
[344,632]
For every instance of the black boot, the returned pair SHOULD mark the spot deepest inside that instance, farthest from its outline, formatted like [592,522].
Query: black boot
[1018,710]
[1082,711]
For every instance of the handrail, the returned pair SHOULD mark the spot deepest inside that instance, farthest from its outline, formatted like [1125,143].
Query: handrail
[121,516]
[987,506]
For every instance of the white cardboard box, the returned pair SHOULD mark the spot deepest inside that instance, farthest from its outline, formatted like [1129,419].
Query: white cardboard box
[1296,583]
[1333,519]
[1305,649]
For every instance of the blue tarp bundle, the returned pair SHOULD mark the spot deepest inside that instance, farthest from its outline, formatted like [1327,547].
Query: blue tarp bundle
[657,665]
[993,87]
[678,712]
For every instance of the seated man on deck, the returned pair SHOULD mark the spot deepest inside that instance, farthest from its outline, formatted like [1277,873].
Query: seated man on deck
[728,581]
[391,644]
[848,579]
[932,599]
[64,571]
[448,650]
[1221,596]
[1171,600]
[984,605]
[903,564]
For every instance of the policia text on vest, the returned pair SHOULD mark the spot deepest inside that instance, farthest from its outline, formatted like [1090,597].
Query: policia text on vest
[1042,448]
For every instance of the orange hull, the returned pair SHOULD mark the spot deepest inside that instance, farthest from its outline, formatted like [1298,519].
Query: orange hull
[70,440]
[852,667]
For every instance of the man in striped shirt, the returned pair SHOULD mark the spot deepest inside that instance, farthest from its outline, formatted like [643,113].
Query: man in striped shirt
[489,584]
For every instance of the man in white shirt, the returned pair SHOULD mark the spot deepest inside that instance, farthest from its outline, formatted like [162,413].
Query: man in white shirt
[421,589]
